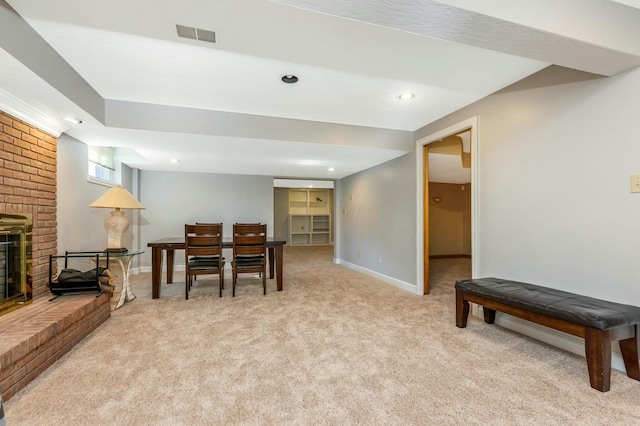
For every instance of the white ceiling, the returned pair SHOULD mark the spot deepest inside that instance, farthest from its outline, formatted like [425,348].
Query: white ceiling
[221,108]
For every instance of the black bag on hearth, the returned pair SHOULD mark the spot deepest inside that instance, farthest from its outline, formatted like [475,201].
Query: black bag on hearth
[74,280]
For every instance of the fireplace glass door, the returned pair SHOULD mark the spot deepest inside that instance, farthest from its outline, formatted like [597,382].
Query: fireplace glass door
[15,261]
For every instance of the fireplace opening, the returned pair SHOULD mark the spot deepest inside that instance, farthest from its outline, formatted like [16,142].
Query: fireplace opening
[16,246]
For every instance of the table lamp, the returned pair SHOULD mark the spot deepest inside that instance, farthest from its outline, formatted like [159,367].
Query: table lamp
[117,224]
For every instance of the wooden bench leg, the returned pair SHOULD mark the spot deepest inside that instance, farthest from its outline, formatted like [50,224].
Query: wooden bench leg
[629,349]
[489,315]
[597,344]
[462,310]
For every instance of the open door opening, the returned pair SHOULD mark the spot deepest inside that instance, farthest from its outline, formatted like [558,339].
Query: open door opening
[446,190]
[425,210]
[304,212]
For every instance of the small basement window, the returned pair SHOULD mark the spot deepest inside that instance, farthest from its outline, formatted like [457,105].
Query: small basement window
[101,164]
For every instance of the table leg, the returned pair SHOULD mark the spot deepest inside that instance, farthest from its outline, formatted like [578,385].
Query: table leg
[126,295]
[279,251]
[170,253]
[156,271]
[126,283]
[271,260]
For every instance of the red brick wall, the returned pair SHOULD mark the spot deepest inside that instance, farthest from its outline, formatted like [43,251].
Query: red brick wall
[28,185]
[35,336]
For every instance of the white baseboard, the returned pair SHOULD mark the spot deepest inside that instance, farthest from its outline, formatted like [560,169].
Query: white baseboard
[550,336]
[389,280]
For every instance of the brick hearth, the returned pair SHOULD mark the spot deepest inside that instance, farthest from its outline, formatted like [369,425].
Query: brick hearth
[32,338]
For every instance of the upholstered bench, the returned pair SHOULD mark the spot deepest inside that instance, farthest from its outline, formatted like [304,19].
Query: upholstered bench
[599,322]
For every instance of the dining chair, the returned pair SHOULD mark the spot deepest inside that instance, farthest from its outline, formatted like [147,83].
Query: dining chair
[249,252]
[203,253]
[247,257]
[200,258]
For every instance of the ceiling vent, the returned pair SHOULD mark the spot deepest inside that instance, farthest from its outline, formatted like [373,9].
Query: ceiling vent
[196,33]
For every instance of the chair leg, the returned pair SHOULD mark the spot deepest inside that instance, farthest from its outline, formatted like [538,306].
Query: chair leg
[234,277]
[186,288]
[264,283]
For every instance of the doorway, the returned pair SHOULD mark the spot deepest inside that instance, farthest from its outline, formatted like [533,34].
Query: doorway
[468,150]
[304,211]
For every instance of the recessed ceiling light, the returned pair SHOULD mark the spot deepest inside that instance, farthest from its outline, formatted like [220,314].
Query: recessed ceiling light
[331,169]
[73,120]
[289,78]
[406,96]
[174,160]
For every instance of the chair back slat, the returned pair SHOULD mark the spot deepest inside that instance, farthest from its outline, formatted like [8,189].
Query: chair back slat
[240,250]
[204,251]
[250,240]
[203,240]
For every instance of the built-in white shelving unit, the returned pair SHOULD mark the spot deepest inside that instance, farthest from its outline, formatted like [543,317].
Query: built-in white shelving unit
[309,217]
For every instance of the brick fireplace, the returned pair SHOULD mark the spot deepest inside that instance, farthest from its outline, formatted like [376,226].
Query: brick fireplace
[28,186]
[37,334]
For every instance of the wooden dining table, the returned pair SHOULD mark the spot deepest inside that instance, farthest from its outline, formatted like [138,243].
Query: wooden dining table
[275,247]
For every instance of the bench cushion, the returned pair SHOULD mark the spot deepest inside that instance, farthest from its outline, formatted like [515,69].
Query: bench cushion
[571,307]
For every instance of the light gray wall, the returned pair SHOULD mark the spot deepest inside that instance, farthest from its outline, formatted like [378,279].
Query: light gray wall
[554,202]
[554,205]
[173,199]
[80,227]
[379,219]
[281,213]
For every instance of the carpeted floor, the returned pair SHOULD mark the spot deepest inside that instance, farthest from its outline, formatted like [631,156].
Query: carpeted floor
[335,347]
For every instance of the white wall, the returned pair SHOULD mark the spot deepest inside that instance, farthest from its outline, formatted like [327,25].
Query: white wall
[554,201]
[379,221]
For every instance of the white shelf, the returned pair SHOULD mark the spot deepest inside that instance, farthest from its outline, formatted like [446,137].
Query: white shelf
[309,216]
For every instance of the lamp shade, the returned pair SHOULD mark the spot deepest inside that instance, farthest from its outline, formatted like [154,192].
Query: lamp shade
[117,198]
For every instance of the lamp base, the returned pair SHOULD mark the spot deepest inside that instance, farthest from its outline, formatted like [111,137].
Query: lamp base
[116,250]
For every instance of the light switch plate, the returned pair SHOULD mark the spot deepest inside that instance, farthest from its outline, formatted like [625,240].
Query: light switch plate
[635,182]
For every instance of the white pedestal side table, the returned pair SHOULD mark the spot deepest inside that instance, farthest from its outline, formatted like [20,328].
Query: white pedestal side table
[121,276]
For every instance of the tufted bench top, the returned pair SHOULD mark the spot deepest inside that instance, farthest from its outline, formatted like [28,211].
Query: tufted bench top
[559,304]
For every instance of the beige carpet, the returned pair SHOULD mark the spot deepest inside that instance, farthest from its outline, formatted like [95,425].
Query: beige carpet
[335,347]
